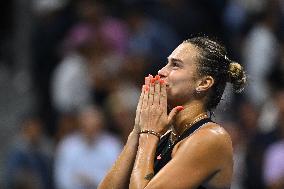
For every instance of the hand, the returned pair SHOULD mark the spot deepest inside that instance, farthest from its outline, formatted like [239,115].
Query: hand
[153,111]
[137,127]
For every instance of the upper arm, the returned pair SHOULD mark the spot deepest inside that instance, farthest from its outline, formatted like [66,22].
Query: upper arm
[199,157]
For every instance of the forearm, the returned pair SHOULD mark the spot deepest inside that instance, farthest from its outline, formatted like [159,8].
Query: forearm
[119,175]
[143,169]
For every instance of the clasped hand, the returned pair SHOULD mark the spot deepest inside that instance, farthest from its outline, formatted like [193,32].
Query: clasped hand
[151,112]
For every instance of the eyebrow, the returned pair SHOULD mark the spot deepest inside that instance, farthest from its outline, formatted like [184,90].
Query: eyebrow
[175,60]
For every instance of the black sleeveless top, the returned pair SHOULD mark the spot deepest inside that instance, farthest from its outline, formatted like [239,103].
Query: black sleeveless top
[165,147]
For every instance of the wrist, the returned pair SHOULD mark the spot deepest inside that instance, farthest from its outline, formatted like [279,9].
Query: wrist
[148,142]
[150,132]
[149,138]
[133,137]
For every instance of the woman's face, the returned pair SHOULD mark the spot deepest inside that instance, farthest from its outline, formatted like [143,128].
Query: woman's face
[180,74]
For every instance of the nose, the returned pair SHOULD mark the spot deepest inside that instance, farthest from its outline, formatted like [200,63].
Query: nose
[163,72]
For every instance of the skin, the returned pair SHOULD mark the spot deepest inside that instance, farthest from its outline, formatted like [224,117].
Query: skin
[119,175]
[203,158]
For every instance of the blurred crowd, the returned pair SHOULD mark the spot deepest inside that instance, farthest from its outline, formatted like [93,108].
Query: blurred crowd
[87,64]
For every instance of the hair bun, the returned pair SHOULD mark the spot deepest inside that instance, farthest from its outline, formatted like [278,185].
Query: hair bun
[237,76]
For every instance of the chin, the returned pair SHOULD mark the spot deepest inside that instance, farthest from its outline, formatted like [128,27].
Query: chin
[175,99]
[171,95]
[171,99]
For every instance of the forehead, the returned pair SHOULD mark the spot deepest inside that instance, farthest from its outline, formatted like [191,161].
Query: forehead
[185,52]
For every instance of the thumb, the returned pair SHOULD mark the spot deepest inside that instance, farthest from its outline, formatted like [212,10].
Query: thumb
[173,113]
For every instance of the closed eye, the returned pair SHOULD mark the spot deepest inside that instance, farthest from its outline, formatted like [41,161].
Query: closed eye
[175,63]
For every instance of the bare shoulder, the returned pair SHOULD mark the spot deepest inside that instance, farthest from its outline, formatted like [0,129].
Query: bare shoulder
[211,138]
[209,134]
[214,132]
[205,157]
[209,149]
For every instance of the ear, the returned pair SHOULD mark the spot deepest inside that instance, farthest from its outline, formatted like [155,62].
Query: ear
[205,83]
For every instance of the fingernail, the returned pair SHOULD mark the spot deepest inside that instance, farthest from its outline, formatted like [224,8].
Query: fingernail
[150,76]
[146,87]
[146,79]
[162,81]
[153,80]
[180,108]
[157,77]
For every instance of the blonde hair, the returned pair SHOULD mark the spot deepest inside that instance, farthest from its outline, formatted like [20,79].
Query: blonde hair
[237,76]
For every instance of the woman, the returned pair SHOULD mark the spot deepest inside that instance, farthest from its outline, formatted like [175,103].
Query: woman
[184,149]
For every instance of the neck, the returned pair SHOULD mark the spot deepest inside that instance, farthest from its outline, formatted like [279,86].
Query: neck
[187,116]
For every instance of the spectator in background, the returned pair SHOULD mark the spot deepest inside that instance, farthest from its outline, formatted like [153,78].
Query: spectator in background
[273,171]
[149,37]
[112,35]
[234,20]
[121,107]
[276,76]
[82,158]
[50,21]
[112,30]
[247,117]
[260,52]
[275,79]
[71,86]
[29,161]
[259,142]
[239,150]
[95,54]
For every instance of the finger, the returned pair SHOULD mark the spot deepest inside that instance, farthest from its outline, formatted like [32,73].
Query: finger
[163,94]
[151,91]
[148,79]
[157,90]
[147,84]
[140,102]
[173,113]
[145,97]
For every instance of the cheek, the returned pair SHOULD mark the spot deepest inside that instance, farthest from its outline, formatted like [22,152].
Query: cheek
[180,79]
[181,85]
